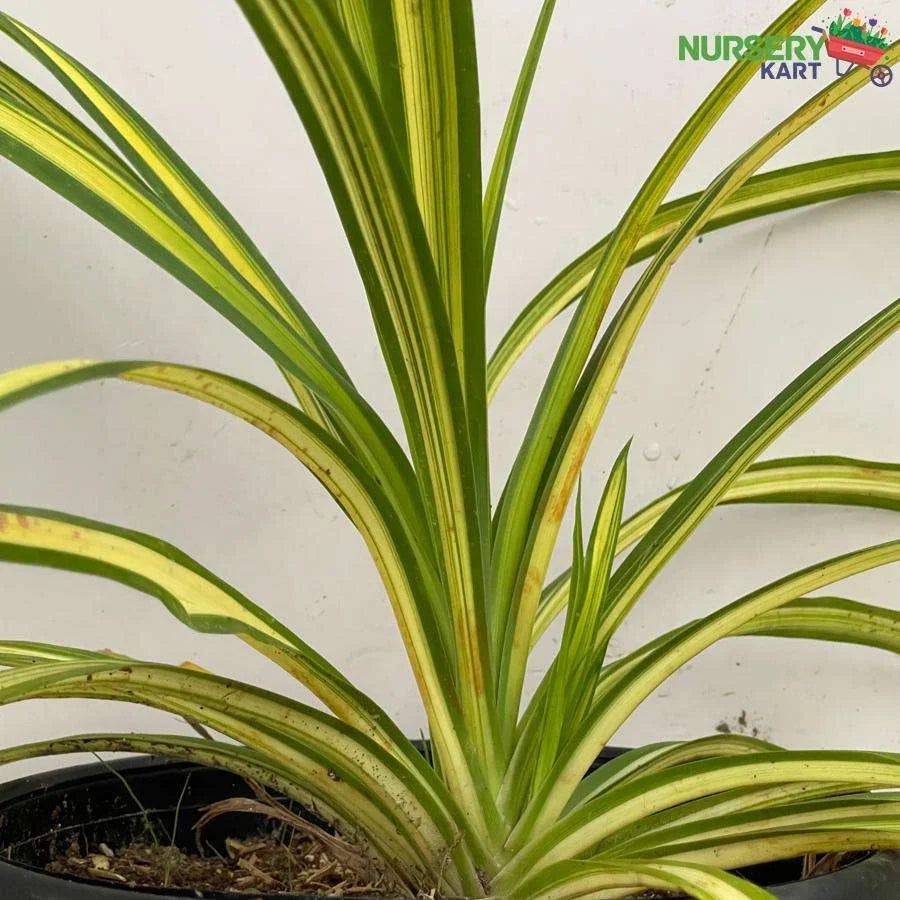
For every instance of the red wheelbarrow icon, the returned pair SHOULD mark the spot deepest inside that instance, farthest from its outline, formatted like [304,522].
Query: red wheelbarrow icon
[857,54]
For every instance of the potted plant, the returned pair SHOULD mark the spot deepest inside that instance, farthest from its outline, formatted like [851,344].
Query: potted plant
[503,804]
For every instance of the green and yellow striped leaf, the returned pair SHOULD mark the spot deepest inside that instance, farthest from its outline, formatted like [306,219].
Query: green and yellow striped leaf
[586,826]
[768,845]
[384,227]
[586,408]
[394,536]
[503,157]
[191,593]
[143,220]
[777,191]
[647,760]
[593,878]
[574,672]
[16,87]
[831,619]
[436,59]
[331,760]
[439,77]
[518,516]
[832,813]
[813,618]
[184,194]
[628,685]
[798,479]
[170,178]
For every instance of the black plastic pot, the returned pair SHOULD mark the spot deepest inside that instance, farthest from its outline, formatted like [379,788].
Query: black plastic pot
[41,813]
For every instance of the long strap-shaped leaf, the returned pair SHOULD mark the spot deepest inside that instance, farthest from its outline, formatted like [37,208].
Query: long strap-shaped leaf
[632,764]
[232,757]
[435,43]
[180,188]
[404,567]
[732,803]
[592,878]
[524,482]
[229,756]
[500,168]
[645,761]
[394,536]
[65,165]
[776,191]
[25,653]
[617,697]
[170,177]
[17,87]
[369,26]
[327,757]
[798,479]
[193,595]
[586,407]
[573,676]
[831,619]
[588,825]
[814,618]
[378,209]
[768,845]
[704,491]
[832,811]
[438,72]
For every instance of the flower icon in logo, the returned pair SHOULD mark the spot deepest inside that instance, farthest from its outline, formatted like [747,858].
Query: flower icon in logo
[859,42]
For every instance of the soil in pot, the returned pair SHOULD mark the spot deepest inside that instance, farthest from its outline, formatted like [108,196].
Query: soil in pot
[139,830]
[274,864]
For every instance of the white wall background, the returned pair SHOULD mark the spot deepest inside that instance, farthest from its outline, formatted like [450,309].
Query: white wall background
[742,313]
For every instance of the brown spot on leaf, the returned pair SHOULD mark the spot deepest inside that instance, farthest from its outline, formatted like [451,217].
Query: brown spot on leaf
[22,520]
[557,506]
[581,442]
[534,579]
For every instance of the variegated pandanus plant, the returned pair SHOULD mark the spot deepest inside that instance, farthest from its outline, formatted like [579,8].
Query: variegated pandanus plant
[387,91]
